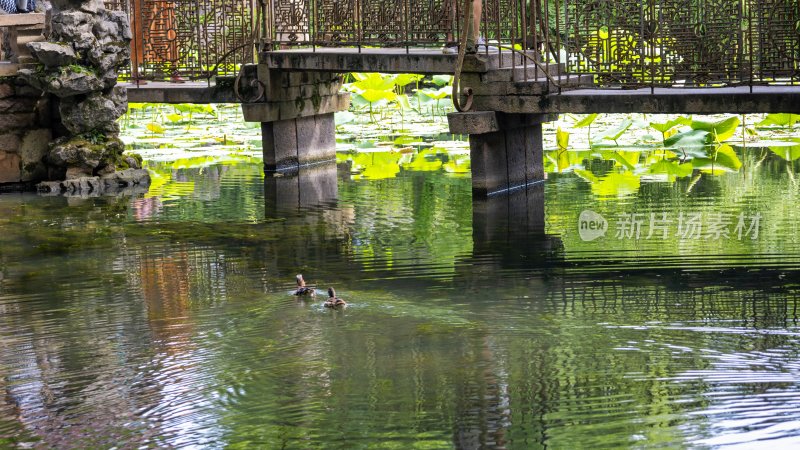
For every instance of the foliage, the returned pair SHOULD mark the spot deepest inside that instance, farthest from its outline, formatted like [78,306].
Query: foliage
[780,119]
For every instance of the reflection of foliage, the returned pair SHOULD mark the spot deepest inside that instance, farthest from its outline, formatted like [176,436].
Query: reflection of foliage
[377,165]
[780,120]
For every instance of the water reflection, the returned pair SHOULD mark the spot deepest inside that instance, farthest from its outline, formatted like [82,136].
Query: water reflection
[307,187]
[166,321]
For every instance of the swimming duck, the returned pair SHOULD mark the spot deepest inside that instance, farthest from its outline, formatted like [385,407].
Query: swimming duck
[302,289]
[333,301]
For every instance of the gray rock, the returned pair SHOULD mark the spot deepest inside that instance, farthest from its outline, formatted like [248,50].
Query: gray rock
[96,112]
[91,185]
[127,178]
[52,54]
[92,6]
[76,172]
[69,20]
[132,162]
[107,30]
[64,83]
[123,24]
[76,152]
[35,144]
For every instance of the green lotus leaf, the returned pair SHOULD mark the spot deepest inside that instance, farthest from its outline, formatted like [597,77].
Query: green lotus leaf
[722,129]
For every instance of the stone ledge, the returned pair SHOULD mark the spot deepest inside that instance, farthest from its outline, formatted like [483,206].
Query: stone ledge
[275,111]
[482,122]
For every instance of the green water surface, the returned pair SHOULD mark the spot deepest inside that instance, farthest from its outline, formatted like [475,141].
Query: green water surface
[166,320]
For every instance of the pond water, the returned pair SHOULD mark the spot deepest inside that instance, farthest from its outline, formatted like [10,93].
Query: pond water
[604,308]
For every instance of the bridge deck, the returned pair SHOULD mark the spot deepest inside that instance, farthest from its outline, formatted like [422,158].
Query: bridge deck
[731,100]
[200,92]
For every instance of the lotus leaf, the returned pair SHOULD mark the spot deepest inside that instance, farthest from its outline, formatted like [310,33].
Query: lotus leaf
[780,119]
[585,121]
[720,130]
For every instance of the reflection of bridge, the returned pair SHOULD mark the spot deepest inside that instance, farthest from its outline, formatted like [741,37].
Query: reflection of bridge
[666,56]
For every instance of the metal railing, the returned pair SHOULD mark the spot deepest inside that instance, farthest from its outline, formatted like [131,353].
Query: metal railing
[619,43]
[624,43]
[189,39]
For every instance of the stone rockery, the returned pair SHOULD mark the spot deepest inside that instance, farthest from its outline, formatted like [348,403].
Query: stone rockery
[85,46]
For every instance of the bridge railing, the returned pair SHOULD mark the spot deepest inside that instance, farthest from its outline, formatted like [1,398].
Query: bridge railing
[623,43]
[189,39]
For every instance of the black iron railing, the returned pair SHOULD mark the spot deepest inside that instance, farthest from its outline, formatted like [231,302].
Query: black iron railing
[183,39]
[617,42]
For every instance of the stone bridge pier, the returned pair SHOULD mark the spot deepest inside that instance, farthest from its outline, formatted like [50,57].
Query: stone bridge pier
[297,123]
[506,149]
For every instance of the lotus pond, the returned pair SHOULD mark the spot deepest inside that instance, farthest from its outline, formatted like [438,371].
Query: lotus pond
[644,296]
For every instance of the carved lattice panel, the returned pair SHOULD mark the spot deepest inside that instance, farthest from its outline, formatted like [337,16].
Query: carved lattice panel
[292,21]
[498,22]
[227,31]
[704,39]
[431,21]
[605,38]
[694,42]
[383,21]
[188,39]
[778,39]
[336,21]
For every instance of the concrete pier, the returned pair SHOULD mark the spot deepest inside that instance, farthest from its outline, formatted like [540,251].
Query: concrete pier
[296,115]
[506,150]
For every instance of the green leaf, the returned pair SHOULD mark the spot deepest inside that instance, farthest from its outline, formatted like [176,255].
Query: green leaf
[442,80]
[626,159]
[722,129]
[405,140]
[404,103]
[155,128]
[789,153]
[689,141]
[663,127]
[562,160]
[437,94]
[376,82]
[614,133]
[725,156]
[586,121]
[613,184]
[373,95]
[718,161]
[174,117]
[672,168]
[404,79]
[780,119]
[562,139]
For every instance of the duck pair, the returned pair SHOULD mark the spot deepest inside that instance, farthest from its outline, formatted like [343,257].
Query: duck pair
[308,291]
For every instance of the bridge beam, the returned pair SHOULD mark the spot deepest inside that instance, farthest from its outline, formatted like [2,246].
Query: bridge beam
[506,150]
[296,116]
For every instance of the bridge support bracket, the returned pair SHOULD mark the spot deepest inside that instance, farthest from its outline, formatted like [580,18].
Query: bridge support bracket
[506,150]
